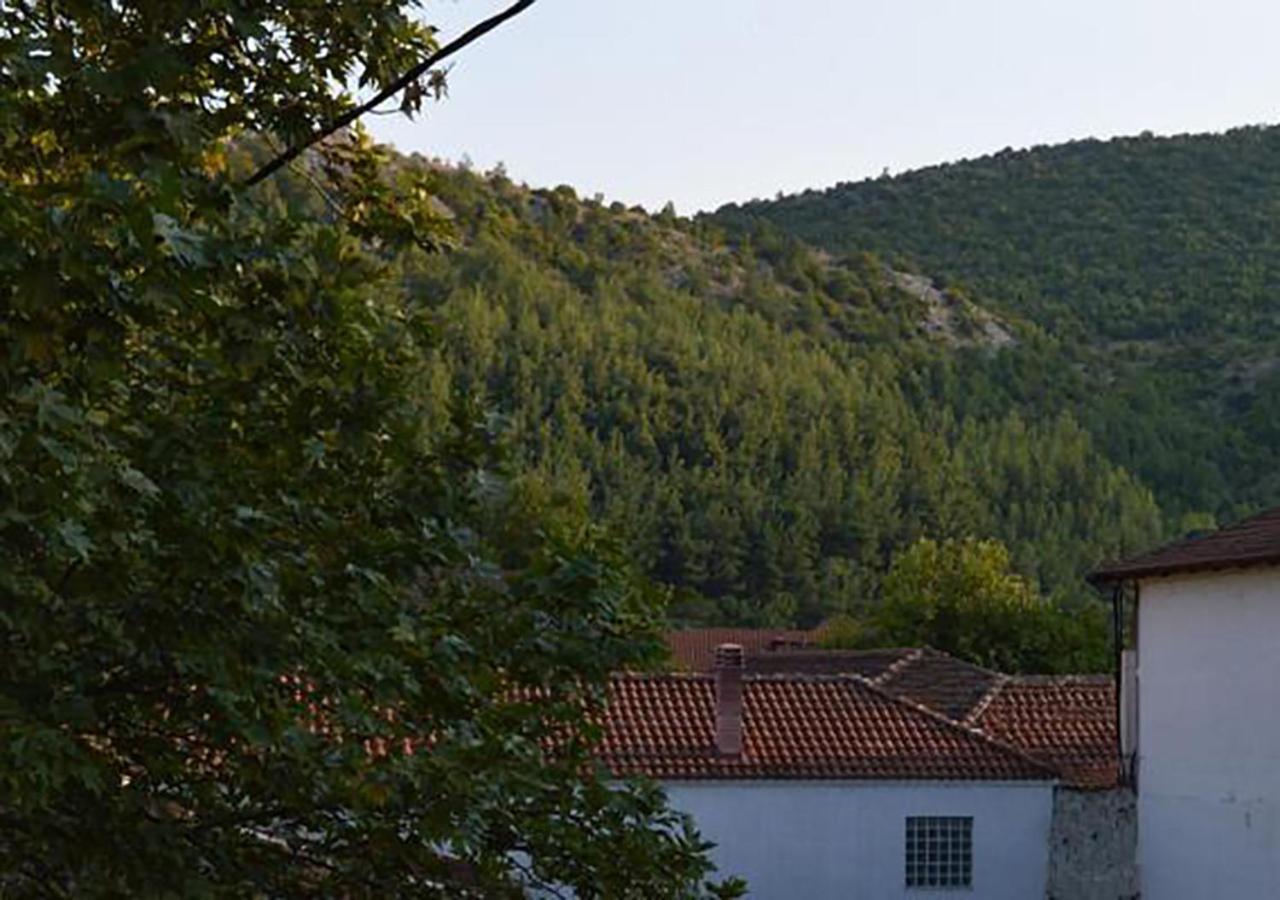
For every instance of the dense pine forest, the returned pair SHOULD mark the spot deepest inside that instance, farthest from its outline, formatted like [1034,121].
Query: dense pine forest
[1150,267]
[763,425]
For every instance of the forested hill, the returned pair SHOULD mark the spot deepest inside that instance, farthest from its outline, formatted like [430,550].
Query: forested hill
[1153,263]
[763,426]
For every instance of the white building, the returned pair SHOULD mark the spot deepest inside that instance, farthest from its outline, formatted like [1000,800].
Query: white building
[900,782]
[1203,703]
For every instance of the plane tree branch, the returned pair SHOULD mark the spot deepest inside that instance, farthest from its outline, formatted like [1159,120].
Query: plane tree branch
[473,34]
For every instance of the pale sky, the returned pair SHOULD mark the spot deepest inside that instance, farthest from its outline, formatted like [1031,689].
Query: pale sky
[703,102]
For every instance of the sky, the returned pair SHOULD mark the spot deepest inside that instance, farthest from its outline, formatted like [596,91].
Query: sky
[704,102]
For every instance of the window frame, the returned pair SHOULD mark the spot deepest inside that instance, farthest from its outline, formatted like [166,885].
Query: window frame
[938,853]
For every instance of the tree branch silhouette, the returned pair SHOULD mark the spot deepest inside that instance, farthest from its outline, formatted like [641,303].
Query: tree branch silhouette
[472,35]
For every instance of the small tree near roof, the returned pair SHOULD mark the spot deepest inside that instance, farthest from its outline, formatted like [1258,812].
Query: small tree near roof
[962,597]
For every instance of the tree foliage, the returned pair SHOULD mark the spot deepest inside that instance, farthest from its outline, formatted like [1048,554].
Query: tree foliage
[763,427]
[962,597]
[272,622]
[1153,264]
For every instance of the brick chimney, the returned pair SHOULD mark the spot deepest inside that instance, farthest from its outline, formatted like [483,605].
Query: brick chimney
[729,664]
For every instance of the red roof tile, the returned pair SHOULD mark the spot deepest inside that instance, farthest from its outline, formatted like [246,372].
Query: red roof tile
[694,649]
[1066,723]
[842,727]
[1253,542]
[939,681]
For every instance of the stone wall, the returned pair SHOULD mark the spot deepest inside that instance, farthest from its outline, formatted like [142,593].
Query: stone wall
[1093,845]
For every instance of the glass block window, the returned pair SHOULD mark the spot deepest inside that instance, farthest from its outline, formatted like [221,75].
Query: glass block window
[940,851]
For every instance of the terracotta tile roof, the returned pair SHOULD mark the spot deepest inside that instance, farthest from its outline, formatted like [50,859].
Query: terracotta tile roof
[939,681]
[1253,542]
[1066,723]
[694,649]
[818,661]
[794,726]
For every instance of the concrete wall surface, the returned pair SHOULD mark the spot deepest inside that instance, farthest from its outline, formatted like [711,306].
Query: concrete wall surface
[1093,845]
[828,839]
[1208,737]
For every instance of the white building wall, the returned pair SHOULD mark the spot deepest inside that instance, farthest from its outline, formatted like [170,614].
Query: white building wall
[1209,736]
[814,840]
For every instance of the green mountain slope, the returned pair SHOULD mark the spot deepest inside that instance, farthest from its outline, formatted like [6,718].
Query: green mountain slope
[1151,264]
[763,426]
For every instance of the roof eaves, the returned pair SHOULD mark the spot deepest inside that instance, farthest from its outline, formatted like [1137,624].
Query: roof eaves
[1113,573]
[1214,551]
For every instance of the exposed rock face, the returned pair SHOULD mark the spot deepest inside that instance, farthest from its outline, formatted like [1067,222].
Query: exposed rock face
[955,319]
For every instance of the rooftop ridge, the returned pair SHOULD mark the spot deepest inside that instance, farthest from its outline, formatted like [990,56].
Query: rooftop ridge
[1001,678]
[899,665]
[1082,679]
[807,677]
[987,699]
[927,650]
[817,650]
[943,682]
[973,732]
[679,674]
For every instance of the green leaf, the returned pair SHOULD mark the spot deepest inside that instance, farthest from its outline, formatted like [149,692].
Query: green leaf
[76,539]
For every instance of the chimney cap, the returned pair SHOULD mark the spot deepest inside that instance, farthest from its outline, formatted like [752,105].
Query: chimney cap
[730,656]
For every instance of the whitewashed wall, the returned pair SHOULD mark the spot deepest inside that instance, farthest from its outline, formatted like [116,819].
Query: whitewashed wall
[825,839]
[1209,736]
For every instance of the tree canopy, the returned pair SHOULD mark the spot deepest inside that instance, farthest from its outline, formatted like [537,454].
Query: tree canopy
[961,596]
[274,620]
[763,427]
[1150,264]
